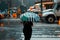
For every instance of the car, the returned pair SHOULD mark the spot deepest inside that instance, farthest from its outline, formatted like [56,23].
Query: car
[36,9]
[2,15]
[52,14]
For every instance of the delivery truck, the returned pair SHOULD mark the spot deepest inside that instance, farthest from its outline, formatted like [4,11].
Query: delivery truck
[51,15]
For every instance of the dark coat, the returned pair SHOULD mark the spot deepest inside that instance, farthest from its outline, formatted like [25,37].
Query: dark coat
[27,30]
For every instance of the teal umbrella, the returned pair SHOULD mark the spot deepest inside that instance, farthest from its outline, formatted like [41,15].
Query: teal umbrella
[24,18]
[29,16]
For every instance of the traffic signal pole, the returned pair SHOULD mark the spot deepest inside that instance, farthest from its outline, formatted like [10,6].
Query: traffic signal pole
[41,7]
[41,10]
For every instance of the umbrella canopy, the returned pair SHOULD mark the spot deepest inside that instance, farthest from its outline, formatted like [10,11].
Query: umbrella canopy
[29,16]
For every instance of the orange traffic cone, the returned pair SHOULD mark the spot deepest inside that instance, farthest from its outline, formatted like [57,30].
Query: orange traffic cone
[14,15]
[59,22]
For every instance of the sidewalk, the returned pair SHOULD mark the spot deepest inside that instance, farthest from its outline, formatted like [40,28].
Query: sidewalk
[39,30]
[45,38]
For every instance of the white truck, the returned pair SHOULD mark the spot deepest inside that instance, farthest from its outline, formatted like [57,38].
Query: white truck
[52,14]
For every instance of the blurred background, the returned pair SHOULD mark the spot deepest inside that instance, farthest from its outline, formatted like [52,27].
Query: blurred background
[11,26]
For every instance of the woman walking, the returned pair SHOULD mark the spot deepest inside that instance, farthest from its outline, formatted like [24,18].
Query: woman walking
[27,30]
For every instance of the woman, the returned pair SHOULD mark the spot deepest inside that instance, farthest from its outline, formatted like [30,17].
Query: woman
[27,30]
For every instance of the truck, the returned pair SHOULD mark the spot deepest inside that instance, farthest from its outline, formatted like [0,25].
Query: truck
[51,15]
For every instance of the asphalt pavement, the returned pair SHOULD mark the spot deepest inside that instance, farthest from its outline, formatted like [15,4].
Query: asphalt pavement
[12,30]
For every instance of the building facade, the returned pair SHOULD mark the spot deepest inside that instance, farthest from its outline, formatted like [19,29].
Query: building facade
[12,3]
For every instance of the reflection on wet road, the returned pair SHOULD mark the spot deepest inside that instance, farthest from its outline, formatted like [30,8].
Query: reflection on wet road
[12,30]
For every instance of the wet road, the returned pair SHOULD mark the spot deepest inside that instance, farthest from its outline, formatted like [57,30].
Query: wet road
[11,29]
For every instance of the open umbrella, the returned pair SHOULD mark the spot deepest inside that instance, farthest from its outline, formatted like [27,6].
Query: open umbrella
[29,16]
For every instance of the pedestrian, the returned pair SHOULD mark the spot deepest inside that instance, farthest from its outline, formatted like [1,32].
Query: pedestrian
[27,30]
[23,9]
